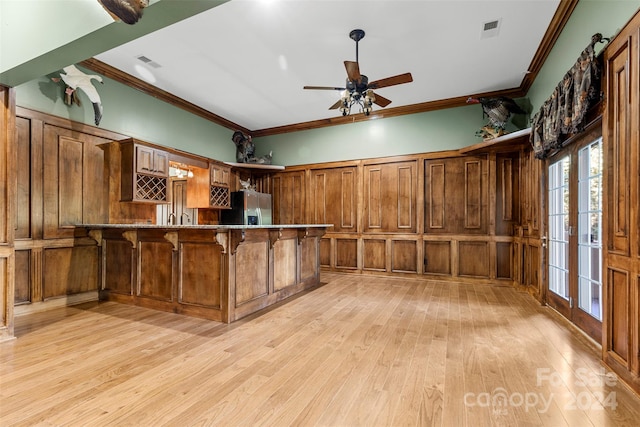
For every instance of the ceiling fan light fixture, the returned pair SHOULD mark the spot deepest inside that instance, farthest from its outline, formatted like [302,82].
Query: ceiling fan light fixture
[358,90]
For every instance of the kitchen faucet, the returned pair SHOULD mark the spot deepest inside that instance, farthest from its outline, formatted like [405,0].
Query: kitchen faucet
[188,217]
[169,218]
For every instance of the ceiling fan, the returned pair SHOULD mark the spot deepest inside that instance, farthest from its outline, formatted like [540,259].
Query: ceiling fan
[359,90]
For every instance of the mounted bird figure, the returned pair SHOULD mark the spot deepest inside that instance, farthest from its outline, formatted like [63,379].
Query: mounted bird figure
[76,79]
[128,11]
[498,109]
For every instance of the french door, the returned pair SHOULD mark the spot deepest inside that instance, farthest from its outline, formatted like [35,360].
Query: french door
[574,231]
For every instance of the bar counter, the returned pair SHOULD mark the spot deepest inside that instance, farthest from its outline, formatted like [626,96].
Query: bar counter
[218,272]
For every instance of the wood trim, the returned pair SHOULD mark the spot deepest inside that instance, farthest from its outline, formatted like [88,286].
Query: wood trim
[559,20]
[144,87]
[7,218]
[67,124]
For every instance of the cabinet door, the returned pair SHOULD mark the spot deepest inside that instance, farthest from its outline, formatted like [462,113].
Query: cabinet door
[220,175]
[151,161]
[161,162]
[144,159]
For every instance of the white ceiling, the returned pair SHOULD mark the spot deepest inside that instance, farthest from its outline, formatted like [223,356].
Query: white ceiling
[248,60]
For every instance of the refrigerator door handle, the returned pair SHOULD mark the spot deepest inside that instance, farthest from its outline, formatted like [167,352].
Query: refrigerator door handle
[259,212]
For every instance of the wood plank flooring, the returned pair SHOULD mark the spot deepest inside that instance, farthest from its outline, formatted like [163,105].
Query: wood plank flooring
[357,351]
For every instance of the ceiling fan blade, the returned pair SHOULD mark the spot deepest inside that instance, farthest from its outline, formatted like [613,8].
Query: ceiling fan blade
[391,81]
[338,104]
[324,88]
[353,71]
[381,100]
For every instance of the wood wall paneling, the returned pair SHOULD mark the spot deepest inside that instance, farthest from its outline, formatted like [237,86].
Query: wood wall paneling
[473,195]
[619,151]
[390,197]
[507,198]
[74,182]
[22,277]
[437,257]
[374,254]
[23,179]
[621,215]
[456,195]
[618,299]
[333,198]
[288,198]
[404,258]
[325,252]
[504,260]
[346,253]
[69,271]
[436,193]
[473,258]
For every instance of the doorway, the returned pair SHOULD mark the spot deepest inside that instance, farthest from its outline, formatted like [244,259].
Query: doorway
[574,230]
[176,212]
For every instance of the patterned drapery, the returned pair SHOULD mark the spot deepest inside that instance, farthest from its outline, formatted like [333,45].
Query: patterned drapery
[565,111]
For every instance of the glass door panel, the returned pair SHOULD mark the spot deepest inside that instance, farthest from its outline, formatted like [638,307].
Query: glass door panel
[574,230]
[558,221]
[590,234]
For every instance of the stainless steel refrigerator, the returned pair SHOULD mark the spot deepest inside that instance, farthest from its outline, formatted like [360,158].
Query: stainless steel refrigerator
[248,207]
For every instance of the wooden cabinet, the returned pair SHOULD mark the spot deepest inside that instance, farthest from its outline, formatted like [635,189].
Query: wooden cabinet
[209,188]
[219,191]
[220,175]
[144,173]
[151,161]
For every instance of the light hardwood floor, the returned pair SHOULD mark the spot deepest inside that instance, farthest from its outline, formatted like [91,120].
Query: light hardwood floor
[357,351]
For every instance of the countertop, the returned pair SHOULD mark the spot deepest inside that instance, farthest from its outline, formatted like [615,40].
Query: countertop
[206,227]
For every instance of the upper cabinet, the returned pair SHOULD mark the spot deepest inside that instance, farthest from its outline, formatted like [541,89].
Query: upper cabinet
[220,175]
[151,161]
[145,172]
[210,188]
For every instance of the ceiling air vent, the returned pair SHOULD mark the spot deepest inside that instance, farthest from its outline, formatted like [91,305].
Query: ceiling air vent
[490,29]
[148,61]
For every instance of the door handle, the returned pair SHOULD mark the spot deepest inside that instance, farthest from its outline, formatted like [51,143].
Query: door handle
[543,239]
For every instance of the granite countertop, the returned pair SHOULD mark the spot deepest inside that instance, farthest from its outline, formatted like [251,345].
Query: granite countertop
[205,227]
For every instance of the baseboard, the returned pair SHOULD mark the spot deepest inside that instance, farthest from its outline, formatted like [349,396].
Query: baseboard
[20,310]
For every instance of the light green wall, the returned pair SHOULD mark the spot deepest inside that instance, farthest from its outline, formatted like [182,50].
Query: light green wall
[416,133]
[134,114]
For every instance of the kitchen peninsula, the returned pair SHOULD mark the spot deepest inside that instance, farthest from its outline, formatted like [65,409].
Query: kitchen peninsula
[218,272]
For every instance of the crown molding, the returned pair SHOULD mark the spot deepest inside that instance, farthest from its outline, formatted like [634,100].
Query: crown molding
[558,22]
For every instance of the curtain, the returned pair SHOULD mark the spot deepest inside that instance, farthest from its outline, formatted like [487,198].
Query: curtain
[565,111]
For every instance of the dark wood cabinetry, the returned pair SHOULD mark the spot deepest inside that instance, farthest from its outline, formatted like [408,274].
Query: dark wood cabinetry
[144,172]
[216,272]
[151,161]
[210,188]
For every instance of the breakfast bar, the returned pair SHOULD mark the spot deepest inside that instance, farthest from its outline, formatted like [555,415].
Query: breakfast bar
[217,272]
